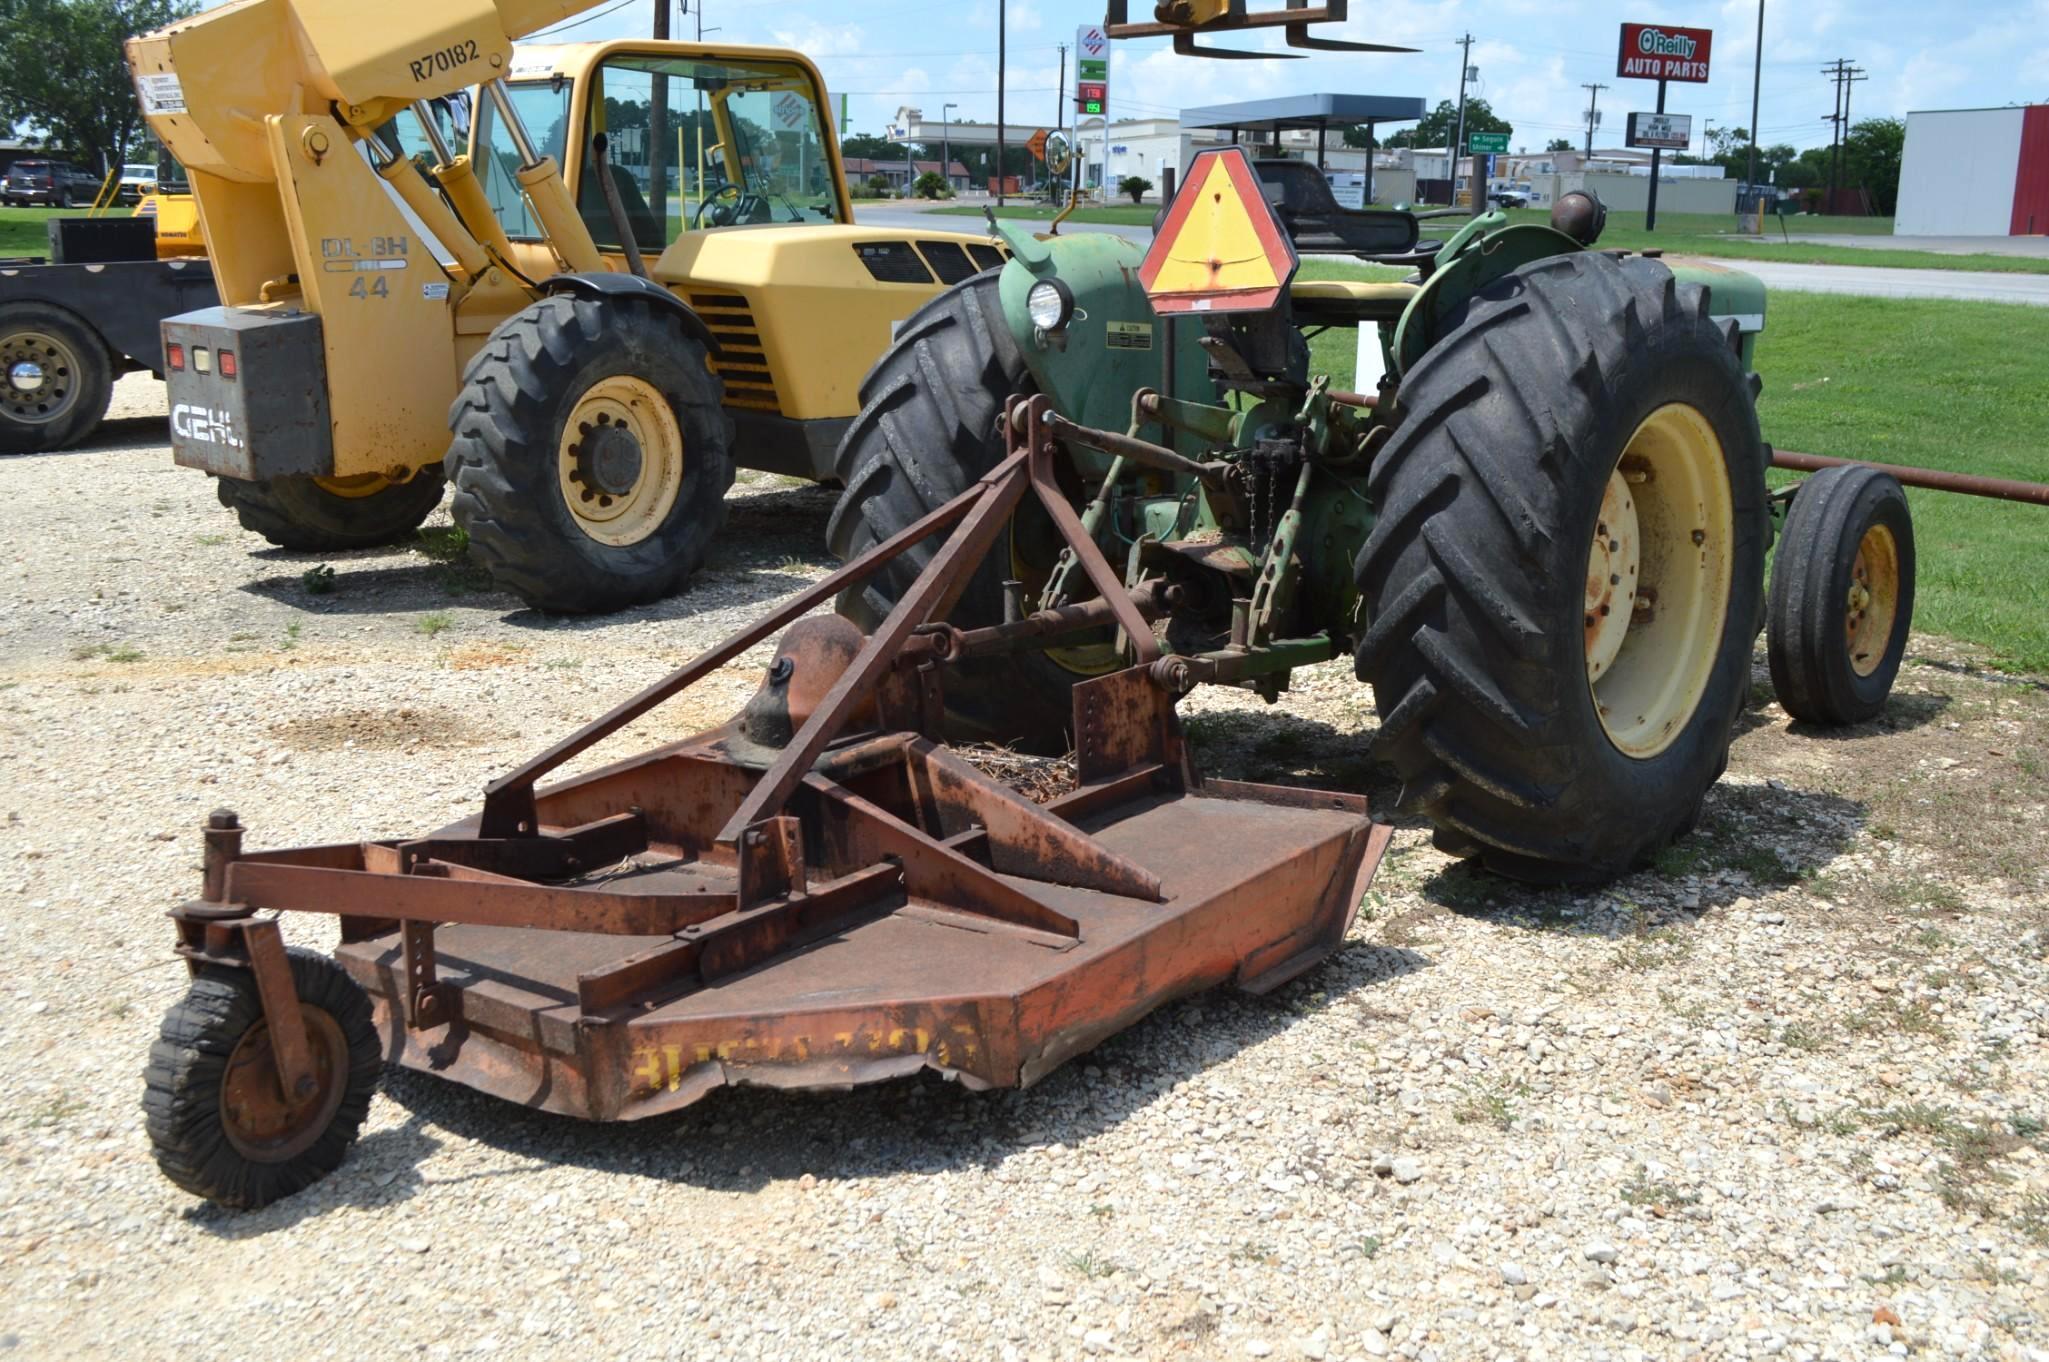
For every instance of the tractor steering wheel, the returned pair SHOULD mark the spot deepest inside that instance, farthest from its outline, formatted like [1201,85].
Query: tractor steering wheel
[728,204]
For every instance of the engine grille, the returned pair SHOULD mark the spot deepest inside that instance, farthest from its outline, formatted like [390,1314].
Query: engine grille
[893,262]
[743,365]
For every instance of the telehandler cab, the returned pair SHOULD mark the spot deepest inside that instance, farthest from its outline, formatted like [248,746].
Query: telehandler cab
[615,270]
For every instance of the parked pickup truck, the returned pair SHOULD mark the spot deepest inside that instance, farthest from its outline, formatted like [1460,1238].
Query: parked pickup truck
[74,321]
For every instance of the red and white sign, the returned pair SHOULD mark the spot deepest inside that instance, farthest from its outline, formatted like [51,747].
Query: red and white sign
[1661,52]
[1090,42]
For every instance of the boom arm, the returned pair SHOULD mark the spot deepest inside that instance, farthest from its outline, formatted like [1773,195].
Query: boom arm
[265,102]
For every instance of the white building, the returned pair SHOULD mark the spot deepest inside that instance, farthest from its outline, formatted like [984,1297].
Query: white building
[1975,172]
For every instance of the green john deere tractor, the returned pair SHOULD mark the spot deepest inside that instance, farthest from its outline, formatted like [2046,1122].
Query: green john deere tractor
[1541,539]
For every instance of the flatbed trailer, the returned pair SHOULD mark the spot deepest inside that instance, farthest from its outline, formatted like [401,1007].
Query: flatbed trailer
[75,320]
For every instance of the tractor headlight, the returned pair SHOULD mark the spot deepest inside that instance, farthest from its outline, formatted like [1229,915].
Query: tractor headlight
[1050,305]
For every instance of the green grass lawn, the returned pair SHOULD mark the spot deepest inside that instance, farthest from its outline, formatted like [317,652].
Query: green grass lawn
[1932,384]
[1716,235]
[22,231]
[1110,215]
[1687,233]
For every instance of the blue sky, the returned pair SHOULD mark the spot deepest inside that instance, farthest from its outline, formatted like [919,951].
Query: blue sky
[1533,56]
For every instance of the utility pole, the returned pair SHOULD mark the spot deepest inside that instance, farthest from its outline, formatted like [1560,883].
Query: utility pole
[1845,75]
[658,128]
[1002,55]
[1756,84]
[1593,107]
[1458,141]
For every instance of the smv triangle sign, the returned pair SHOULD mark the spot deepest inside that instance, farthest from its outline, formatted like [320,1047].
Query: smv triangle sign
[1220,249]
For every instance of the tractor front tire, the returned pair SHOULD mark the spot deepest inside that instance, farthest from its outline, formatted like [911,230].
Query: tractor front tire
[328,515]
[1842,596]
[1583,420]
[930,427]
[219,1122]
[591,458]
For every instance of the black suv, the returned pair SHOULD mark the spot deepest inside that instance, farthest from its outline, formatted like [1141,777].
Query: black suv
[57,184]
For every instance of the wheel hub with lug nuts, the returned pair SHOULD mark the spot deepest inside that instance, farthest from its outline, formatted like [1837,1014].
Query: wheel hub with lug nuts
[621,461]
[40,371]
[609,459]
[1658,580]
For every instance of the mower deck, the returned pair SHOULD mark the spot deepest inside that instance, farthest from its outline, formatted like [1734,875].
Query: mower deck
[896,981]
[818,893]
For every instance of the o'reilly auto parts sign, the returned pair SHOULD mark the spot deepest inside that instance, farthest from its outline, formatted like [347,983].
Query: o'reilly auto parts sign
[1661,52]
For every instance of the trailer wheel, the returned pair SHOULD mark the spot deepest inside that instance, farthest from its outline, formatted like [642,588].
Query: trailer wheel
[218,1119]
[930,426]
[1584,423]
[56,379]
[591,459]
[320,515]
[1842,596]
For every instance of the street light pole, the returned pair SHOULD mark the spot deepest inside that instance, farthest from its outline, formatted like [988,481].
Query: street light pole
[946,143]
[1756,82]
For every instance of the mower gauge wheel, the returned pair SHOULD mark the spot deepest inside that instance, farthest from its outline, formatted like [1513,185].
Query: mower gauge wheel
[221,1124]
[1842,596]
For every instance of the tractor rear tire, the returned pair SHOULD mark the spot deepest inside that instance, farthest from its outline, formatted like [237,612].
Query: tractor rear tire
[930,426]
[1517,724]
[1842,596]
[299,514]
[591,458]
[65,379]
[218,1123]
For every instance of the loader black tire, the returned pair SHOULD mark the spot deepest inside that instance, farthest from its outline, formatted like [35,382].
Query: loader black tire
[1476,573]
[70,397]
[301,515]
[930,426]
[1834,658]
[538,370]
[191,1084]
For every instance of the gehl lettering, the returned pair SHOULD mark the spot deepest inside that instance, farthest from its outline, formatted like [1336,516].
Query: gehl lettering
[447,59]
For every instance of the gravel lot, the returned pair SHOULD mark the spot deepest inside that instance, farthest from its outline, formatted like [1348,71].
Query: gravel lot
[1785,1097]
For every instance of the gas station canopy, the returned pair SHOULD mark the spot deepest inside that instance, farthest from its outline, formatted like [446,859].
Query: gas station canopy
[1320,112]
[1272,117]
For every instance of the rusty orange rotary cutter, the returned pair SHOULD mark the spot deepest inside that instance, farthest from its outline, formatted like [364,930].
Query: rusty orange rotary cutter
[816,894]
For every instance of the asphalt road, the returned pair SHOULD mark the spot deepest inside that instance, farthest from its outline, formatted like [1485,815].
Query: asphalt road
[1859,280]
[1873,282]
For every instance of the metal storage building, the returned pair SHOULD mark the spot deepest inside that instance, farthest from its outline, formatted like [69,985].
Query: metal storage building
[1975,172]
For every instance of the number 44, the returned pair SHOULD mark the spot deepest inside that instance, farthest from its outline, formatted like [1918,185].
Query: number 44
[370,288]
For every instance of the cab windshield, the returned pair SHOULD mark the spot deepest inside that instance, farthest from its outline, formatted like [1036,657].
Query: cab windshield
[705,144]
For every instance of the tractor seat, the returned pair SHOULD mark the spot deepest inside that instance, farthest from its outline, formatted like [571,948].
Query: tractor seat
[1318,225]
[1348,302]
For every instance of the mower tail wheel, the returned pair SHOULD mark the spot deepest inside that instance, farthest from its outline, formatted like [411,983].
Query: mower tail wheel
[1842,596]
[218,1118]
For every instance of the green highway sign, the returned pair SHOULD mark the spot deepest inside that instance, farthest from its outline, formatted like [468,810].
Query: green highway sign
[1487,143]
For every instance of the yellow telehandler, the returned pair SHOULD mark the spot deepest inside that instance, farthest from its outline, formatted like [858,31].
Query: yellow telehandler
[614,270]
